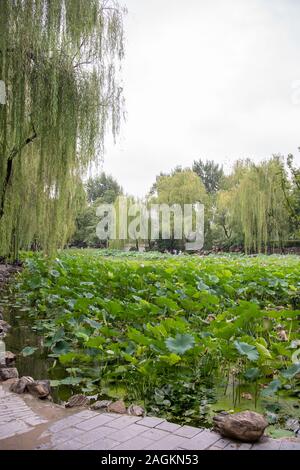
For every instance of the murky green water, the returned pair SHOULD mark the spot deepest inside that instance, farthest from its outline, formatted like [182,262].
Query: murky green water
[40,366]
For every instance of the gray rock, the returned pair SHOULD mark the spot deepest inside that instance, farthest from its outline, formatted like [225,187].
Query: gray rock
[21,385]
[4,328]
[246,426]
[101,404]
[39,388]
[10,358]
[92,397]
[117,407]
[135,410]
[292,424]
[9,382]
[77,400]
[7,373]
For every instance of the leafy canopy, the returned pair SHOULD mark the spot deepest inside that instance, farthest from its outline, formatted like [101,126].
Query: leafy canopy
[210,173]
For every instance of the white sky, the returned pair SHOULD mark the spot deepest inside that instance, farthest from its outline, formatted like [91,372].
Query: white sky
[208,79]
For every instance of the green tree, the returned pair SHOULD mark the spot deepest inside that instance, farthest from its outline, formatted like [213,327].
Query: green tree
[132,242]
[254,207]
[85,233]
[58,60]
[103,187]
[181,187]
[291,191]
[226,230]
[210,173]
[99,190]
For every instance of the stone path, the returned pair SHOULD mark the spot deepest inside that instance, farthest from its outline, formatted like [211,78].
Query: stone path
[15,416]
[28,423]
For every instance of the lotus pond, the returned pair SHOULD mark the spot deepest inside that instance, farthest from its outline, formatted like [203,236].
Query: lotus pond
[185,336]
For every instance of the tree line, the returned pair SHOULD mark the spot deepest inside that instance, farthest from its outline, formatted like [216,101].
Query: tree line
[255,208]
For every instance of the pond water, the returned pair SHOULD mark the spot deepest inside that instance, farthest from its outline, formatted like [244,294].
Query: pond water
[40,366]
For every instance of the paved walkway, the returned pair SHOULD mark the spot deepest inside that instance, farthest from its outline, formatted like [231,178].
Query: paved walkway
[29,423]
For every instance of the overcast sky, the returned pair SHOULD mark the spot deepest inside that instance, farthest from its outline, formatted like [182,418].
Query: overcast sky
[208,79]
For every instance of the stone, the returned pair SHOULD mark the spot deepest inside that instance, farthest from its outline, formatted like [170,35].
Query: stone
[136,410]
[292,424]
[93,397]
[21,385]
[39,388]
[98,405]
[9,382]
[9,358]
[77,400]
[4,328]
[282,335]
[210,317]
[7,373]
[247,396]
[117,407]
[246,426]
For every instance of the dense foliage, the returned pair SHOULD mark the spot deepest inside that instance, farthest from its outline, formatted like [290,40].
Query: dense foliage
[291,191]
[102,189]
[252,209]
[210,173]
[169,332]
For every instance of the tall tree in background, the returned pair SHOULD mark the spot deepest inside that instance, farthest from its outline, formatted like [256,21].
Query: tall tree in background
[210,173]
[103,187]
[181,187]
[291,190]
[255,205]
[59,61]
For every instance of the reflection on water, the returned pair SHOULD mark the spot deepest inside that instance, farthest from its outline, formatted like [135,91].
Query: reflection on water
[37,365]
[21,335]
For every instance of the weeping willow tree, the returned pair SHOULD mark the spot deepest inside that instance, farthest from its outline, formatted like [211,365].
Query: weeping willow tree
[291,190]
[60,62]
[123,219]
[256,205]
